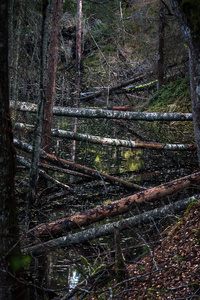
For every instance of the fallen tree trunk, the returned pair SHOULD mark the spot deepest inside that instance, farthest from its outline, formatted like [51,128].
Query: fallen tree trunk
[108,229]
[66,171]
[108,141]
[123,108]
[103,113]
[112,88]
[115,208]
[27,164]
[68,164]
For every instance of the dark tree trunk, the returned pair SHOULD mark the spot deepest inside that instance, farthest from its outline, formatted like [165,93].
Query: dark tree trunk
[187,13]
[78,76]
[9,235]
[40,108]
[51,75]
[161,43]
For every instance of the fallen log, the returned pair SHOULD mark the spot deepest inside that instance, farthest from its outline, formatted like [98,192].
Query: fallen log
[109,141]
[66,171]
[71,240]
[123,108]
[27,164]
[112,88]
[68,164]
[103,113]
[115,208]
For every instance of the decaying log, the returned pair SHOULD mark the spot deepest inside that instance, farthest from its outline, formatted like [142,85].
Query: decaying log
[103,113]
[68,164]
[108,141]
[115,208]
[123,108]
[112,88]
[98,231]
[27,164]
[66,171]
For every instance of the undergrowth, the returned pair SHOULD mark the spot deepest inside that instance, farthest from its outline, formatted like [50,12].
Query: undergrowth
[172,97]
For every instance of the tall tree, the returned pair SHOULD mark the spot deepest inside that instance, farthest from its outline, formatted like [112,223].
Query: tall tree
[40,109]
[78,75]
[187,12]
[161,42]
[9,235]
[51,75]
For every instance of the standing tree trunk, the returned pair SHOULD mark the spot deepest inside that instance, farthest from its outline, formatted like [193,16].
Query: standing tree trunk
[9,235]
[78,76]
[161,42]
[51,75]
[40,109]
[187,13]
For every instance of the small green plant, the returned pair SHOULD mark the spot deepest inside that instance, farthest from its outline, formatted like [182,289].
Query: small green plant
[89,268]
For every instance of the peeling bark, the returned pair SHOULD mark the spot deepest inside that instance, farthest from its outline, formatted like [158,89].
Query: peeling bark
[109,114]
[98,231]
[115,208]
[108,141]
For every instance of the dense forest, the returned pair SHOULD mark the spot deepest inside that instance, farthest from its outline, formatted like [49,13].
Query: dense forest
[99,149]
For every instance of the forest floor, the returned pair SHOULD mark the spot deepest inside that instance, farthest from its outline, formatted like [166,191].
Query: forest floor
[170,271]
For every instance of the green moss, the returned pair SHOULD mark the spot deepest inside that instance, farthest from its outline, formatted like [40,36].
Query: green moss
[193,203]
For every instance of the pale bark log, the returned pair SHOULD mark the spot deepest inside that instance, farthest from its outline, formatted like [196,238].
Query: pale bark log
[67,164]
[109,114]
[108,141]
[112,88]
[115,208]
[98,231]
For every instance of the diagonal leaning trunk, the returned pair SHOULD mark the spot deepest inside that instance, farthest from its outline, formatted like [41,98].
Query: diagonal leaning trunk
[121,206]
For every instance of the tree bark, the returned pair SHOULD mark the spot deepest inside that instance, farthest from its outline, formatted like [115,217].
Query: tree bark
[108,141]
[51,75]
[103,230]
[111,89]
[187,13]
[70,165]
[109,114]
[10,286]
[27,164]
[40,107]
[115,208]
[161,43]
[77,77]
